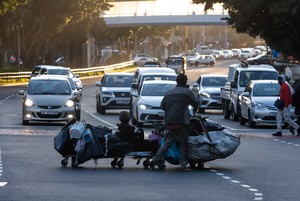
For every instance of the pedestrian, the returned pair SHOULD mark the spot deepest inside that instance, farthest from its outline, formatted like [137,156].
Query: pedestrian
[286,97]
[296,102]
[134,136]
[175,104]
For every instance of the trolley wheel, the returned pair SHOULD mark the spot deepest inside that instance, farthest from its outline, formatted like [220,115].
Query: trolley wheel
[64,162]
[74,162]
[201,164]
[114,162]
[146,163]
[192,164]
[120,163]
[161,166]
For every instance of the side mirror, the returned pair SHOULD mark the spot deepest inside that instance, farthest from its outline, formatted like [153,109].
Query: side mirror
[21,92]
[99,84]
[233,85]
[77,76]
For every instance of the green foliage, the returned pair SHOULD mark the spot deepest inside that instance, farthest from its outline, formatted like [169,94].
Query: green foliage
[276,21]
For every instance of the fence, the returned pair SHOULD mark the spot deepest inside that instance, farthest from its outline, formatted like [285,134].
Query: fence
[82,72]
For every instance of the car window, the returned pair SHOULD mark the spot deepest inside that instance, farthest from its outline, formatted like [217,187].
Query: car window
[156,89]
[44,71]
[53,87]
[118,81]
[36,71]
[214,81]
[266,90]
[159,77]
[61,72]
[246,76]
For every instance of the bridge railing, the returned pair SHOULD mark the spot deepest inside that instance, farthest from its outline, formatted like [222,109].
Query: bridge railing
[11,77]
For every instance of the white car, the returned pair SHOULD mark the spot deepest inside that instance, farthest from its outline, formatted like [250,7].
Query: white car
[202,60]
[146,106]
[207,88]
[217,54]
[141,59]
[189,55]
[228,54]
[257,103]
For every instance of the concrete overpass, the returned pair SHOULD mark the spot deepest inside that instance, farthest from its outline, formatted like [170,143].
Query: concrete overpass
[162,12]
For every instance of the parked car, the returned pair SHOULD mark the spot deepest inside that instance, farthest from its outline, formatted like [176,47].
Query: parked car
[257,103]
[235,52]
[261,59]
[217,54]
[202,60]
[207,88]
[56,70]
[49,98]
[113,91]
[146,104]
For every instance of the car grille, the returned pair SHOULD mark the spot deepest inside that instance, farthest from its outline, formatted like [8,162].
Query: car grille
[122,94]
[49,107]
[215,96]
[269,118]
[45,116]
[151,117]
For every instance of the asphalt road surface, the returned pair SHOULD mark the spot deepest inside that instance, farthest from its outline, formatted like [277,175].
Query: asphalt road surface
[262,168]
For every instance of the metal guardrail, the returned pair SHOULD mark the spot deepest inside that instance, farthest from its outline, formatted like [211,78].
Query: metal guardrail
[10,77]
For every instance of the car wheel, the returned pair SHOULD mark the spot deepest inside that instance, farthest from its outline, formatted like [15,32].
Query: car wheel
[251,123]
[25,122]
[137,123]
[211,63]
[196,64]
[101,109]
[201,110]
[226,111]
[78,115]
[97,106]
[242,120]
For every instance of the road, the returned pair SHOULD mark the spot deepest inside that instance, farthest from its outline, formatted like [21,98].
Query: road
[262,168]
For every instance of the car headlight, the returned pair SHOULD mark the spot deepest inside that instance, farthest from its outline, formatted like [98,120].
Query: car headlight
[70,103]
[145,107]
[107,93]
[258,105]
[204,94]
[28,102]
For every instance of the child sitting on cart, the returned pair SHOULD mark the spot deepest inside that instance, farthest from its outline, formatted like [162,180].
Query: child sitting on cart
[129,134]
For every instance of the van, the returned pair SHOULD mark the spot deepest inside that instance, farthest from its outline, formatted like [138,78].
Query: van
[177,63]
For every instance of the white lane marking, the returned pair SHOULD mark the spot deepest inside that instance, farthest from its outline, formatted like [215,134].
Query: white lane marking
[257,194]
[286,142]
[101,120]
[1,170]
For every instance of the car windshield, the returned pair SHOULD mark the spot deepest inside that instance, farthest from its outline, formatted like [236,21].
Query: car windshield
[53,87]
[174,61]
[118,81]
[159,77]
[156,89]
[60,72]
[266,90]
[213,81]
[246,76]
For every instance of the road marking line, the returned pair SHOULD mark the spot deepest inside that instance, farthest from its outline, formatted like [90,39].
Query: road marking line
[3,183]
[112,125]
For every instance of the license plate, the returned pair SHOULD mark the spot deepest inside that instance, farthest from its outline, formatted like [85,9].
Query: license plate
[122,102]
[273,113]
[49,112]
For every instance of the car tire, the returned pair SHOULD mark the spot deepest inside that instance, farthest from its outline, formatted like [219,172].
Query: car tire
[242,120]
[251,123]
[211,63]
[97,106]
[25,122]
[196,64]
[78,115]
[226,110]
[102,110]
[201,110]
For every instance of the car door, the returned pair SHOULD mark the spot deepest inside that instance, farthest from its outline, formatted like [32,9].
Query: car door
[246,100]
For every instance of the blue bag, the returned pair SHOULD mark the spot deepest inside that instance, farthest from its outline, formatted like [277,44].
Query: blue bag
[173,153]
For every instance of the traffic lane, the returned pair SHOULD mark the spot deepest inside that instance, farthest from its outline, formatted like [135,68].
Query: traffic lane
[32,169]
[269,165]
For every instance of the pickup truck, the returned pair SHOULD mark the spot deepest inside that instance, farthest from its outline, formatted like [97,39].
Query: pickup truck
[238,77]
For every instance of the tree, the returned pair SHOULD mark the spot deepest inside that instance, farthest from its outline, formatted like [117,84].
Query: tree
[276,21]
[10,5]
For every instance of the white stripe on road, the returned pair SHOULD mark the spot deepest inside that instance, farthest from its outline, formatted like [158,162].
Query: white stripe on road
[1,170]
[111,125]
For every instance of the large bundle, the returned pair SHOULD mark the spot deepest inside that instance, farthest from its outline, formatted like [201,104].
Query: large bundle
[212,145]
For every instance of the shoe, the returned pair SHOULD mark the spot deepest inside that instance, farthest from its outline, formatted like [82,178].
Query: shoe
[291,129]
[278,133]
[185,169]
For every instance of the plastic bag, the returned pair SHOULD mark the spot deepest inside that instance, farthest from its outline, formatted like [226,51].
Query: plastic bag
[77,129]
[173,153]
